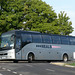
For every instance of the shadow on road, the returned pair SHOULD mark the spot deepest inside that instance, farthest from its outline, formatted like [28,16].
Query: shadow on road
[37,62]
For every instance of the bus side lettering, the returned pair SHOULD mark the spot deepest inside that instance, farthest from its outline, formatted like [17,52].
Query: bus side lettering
[44,46]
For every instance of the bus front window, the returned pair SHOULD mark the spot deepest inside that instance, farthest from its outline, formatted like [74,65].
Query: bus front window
[7,41]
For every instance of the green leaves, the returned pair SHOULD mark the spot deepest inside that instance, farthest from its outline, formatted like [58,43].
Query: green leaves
[64,24]
[33,15]
[39,14]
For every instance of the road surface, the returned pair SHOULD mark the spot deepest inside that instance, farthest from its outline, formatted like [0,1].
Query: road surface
[23,68]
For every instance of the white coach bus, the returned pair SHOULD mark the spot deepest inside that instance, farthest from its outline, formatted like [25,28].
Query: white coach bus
[27,45]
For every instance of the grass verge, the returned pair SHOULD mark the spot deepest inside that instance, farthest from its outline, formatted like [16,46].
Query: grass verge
[72,64]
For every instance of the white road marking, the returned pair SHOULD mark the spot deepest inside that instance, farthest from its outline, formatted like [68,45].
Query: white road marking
[8,70]
[50,70]
[20,74]
[4,68]
[1,74]
[15,72]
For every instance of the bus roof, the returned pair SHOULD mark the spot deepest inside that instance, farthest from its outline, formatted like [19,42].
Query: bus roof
[20,31]
[32,32]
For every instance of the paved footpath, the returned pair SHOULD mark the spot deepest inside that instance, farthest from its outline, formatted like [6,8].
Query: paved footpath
[66,64]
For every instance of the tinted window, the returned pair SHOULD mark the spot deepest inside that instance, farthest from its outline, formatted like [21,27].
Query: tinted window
[72,41]
[64,40]
[46,39]
[36,38]
[26,38]
[56,40]
[18,44]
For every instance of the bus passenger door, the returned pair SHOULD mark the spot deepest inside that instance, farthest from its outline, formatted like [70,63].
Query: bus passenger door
[18,48]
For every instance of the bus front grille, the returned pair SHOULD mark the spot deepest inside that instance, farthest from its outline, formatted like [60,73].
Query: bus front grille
[3,54]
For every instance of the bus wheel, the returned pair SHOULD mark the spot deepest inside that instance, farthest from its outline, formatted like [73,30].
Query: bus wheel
[15,61]
[30,57]
[65,57]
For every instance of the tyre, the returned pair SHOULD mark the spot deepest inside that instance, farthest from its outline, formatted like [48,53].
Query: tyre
[48,61]
[30,58]
[15,61]
[65,58]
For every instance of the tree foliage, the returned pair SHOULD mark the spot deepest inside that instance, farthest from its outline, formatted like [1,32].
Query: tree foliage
[11,15]
[38,16]
[64,25]
[33,15]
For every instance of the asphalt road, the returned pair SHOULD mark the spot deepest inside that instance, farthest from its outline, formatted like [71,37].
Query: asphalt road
[24,68]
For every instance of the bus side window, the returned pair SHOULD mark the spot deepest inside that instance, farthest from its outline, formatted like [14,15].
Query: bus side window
[56,39]
[72,41]
[46,39]
[37,38]
[18,44]
[26,38]
[64,40]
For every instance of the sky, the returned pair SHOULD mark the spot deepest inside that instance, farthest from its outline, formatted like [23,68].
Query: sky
[64,5]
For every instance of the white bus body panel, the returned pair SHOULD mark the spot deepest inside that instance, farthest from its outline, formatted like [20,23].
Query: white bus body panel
[55,53]
[10,54]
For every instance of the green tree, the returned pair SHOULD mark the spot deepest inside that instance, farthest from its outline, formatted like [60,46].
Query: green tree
[27,14]
[64,25]
[11,14]
[38,16]
[33,15]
